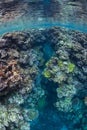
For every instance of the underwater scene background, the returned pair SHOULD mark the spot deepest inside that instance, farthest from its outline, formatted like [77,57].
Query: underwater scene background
[43,65]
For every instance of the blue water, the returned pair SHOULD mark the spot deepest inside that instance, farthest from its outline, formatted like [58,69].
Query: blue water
[48,120]
[20,26]
[48,51]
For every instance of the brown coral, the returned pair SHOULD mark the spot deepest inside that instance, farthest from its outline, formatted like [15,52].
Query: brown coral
[9,76]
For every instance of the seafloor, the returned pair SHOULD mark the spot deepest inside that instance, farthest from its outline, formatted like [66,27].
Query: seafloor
[43,69]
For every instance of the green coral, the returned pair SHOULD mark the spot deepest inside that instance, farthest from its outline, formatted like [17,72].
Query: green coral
[70,67]
[60,63]
[47,64]
[46,74]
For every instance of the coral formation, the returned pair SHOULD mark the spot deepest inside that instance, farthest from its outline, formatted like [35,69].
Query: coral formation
[46,74]
[9,76]
[67,68]
[71,67]
[19,64]
[24,68]
[58,70]
[65,95]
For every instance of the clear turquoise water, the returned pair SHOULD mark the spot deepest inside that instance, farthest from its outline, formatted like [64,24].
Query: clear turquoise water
[20,26]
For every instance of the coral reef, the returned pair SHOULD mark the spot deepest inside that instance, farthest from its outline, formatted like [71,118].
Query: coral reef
[9,76]
[25,68]
[65,94]
[67,69]
[12,117]
[19,64]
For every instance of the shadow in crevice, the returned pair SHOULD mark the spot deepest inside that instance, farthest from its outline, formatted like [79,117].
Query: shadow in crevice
[48,117]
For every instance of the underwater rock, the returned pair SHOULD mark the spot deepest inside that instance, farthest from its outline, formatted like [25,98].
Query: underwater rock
[64,11]
[11,9]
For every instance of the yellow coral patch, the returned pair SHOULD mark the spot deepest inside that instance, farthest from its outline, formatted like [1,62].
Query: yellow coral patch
[71,67]
[60,63]
[46,74]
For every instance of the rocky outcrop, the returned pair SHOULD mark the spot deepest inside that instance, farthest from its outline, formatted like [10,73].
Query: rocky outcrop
[11,10]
